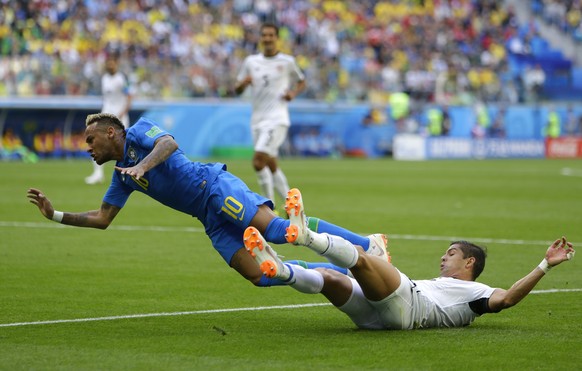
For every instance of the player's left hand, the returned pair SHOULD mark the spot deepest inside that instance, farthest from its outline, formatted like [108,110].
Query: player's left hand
[560,251]
[134,171]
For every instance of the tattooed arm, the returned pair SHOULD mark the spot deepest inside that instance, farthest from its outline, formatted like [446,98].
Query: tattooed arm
[93,219]
[163,148]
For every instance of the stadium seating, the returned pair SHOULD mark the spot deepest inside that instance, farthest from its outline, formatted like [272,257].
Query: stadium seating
[195,49]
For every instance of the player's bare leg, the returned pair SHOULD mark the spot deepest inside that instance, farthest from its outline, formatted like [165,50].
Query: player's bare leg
[264,174]
[377,277]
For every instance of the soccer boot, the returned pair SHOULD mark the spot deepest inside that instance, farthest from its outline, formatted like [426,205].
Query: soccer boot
[297,232]
[264,255]
[94,179]
[379,246]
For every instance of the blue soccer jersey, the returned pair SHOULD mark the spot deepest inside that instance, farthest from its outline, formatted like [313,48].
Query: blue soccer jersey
[221,201]
[177,182]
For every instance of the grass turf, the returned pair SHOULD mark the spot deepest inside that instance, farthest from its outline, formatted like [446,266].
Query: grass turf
[155,260]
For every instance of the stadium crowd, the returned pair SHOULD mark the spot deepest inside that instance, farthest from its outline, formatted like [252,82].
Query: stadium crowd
[446,51]
[563,14]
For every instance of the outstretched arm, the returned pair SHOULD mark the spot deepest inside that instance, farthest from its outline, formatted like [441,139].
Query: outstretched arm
[163,148]
[560,251]
[93,219]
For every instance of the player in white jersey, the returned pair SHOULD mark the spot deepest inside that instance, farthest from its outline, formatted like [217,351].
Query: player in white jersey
[379,296]
[117,98]
[275,79]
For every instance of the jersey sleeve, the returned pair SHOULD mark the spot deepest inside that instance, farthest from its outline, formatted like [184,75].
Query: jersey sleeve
[480,304]
[117,193]
[145,133]
[296,71]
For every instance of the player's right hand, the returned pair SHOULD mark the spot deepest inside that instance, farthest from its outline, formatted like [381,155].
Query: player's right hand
[36,197]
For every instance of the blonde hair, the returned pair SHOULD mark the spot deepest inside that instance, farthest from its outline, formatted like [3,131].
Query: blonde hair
[104,118]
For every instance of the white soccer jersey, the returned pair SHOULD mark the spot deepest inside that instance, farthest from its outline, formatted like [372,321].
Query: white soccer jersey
[115,90]
[271,79]
[445,301]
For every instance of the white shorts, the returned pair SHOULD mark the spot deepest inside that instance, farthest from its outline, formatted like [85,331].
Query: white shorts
[269,139]
[395,312]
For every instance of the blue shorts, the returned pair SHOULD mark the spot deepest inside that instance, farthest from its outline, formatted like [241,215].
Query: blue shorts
[231,207]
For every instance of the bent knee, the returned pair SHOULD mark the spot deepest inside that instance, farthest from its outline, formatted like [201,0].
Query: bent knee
[260,160]
[365,262]
[334,280]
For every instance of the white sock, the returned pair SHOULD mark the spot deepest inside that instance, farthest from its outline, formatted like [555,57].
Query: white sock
[265,178]
[340,252]
[318,242]
[97,170]
[280,183]
[307,281]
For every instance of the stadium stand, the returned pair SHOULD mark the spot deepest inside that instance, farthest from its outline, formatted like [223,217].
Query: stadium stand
[350,50]
[453,56]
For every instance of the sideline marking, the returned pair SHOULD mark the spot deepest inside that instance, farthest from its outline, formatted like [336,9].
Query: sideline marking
[503,241]
[211,311]
[163,314]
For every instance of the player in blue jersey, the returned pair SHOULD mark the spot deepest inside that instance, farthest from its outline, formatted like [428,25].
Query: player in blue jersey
[148,160]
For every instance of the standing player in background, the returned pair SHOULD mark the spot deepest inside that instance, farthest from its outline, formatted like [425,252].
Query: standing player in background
[116,100]
[271,74]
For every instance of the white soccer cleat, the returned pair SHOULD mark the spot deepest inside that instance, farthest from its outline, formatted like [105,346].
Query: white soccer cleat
[264,255]
[379,246]
[94,179]
[297,232]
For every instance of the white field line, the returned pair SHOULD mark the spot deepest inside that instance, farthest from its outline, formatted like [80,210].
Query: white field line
[163,314]
[502,241]
[209,311]
[5,224]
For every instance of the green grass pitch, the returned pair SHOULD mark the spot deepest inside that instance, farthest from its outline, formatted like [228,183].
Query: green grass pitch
[153,260]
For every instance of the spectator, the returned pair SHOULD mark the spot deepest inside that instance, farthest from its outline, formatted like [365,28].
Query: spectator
[14,149]
[534,79]
[439,121]
[553,128]
[573,123]
[43,143]
[497,129]
[482,122]
[50,51]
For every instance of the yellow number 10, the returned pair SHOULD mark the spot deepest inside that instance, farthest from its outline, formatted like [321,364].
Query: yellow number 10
[232,207]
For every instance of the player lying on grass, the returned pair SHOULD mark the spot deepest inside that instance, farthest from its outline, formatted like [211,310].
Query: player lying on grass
[379,296]
[149,161]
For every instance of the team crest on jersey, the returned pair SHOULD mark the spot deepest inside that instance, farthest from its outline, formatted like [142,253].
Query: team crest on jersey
[153,131]
[132,154]
[279,68]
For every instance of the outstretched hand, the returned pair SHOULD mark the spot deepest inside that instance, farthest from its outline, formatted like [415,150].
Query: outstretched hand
[560,251]
[134,171]
[36,197]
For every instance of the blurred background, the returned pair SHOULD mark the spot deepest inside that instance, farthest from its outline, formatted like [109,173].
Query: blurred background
[408,79]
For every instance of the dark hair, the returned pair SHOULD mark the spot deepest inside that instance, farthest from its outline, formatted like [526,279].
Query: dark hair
[270,25]
[104,119]
[470,250]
